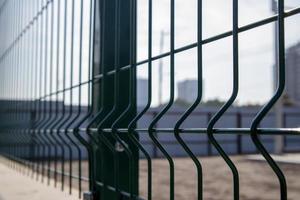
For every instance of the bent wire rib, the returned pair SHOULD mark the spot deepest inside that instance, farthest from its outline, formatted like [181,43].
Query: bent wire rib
[264,111]
[232,98]
[111,114]
[76,130]
[151,130]
[131,105]
[193,107]
[132,124]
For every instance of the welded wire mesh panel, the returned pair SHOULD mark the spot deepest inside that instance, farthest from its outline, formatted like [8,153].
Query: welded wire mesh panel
[210,130]
[46,59]
[69,93]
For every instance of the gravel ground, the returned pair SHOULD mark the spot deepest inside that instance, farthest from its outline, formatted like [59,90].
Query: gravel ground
[257,181]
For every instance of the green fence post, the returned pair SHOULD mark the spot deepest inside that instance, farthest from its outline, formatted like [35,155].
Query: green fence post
[104,96]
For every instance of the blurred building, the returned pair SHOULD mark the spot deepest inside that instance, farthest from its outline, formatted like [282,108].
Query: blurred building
[187,90]
[142,92]
[293,74]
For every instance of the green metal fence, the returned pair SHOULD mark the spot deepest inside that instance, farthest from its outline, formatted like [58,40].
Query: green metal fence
[59,57]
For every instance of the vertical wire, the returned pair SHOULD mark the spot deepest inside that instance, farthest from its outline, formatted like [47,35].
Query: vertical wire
[79,92]
[47,105]
[9,82]
[189,111]
[57,93]
[30,86]
[102,108]
[60,124]
[54,114]
[45,77]
[70,112]
[127,111]
[59,117]
[13,78]
[14,91]
[51,126]
[7,79]
[90,106]
[12,83]
[20,102]
[26,82]
[154,122]
[31,97]
[36,104]
[220,113]
[132,124]
[23,94]
[98,115]
[94,139]
[39,94]
[42,105]
[71,91]
[264,111]
[116,104]
[65,118]
[116,92]
[9,60]
[17,91]
[38,88]
[26,78]
[78,113]
[35,140]
[23,105]
[56,126]
[14,94]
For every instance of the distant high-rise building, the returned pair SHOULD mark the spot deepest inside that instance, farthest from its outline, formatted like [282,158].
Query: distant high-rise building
[187,90]
[142,92]
[292,88]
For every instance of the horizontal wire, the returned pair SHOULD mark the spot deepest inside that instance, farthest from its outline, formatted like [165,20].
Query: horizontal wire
[221,131]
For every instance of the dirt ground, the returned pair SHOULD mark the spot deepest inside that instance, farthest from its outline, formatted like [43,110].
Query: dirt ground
[257,181]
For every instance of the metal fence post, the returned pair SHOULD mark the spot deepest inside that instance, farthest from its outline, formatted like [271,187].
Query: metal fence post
[105,94]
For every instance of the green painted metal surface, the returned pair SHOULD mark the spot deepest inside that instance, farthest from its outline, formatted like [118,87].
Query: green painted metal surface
[115,165]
